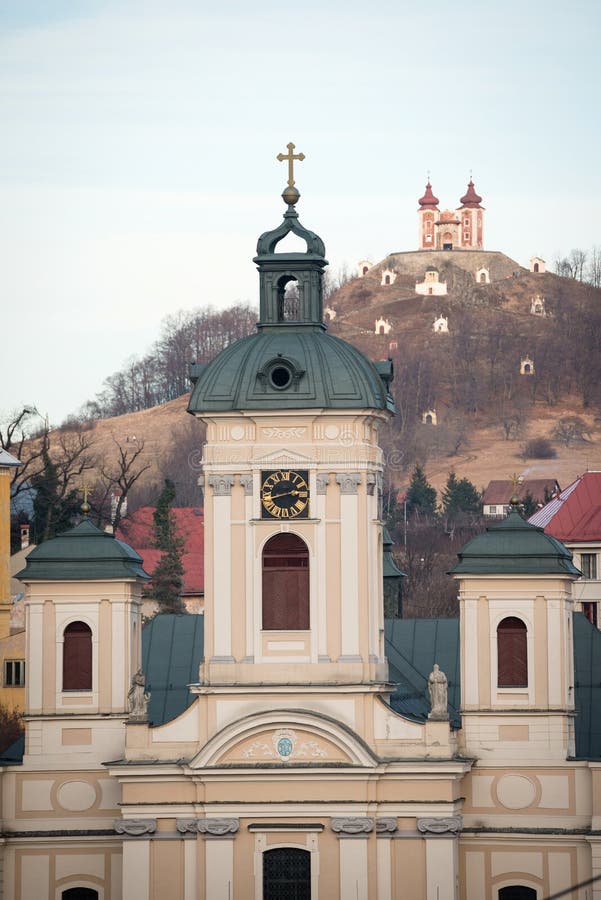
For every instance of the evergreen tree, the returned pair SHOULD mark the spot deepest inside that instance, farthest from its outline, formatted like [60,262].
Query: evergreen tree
[528,505]
[421,496]
[54,504]
[459,497]
[167,578]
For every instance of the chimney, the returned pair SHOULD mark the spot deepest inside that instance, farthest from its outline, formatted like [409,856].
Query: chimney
[24,536]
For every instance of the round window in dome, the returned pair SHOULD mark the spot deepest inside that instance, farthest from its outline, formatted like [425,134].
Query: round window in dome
[280,377]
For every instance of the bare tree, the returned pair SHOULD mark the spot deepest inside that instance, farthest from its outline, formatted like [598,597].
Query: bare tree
[117,477]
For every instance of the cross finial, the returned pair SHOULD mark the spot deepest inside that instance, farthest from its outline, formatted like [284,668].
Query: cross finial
[290,156]
[428,176]
[85,506]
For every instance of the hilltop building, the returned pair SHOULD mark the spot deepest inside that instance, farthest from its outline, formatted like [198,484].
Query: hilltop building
[460,229]
[290,742]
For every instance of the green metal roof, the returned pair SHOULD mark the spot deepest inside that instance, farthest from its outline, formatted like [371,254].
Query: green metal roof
[587,687]
[412,648]
[84,553]
[389,567]
[172,650]
[514,547]
[325,372]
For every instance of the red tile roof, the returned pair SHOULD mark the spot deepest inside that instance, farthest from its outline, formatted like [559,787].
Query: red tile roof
[500,492]
[575,515]
[136,530]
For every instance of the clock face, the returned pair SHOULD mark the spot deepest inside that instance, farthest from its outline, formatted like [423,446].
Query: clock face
[285,494]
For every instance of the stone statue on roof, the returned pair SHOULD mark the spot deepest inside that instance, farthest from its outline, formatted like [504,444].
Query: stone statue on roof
[438,691]
[138,698]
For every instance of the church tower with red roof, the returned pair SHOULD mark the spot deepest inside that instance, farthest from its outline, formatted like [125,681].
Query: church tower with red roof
[427,214]
[459,230]
[471,214]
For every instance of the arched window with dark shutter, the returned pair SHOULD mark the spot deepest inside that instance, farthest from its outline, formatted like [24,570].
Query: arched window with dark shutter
[79,893]
[285,584]
[77,657]
[517,892]
[512,653]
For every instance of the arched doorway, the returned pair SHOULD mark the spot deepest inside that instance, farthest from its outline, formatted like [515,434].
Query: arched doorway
[286,874]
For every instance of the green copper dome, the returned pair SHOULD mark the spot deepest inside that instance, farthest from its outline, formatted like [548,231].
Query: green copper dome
[85,553]
[514,547]
[291,362]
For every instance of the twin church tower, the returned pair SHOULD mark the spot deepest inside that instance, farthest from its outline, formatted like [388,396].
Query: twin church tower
[460,229]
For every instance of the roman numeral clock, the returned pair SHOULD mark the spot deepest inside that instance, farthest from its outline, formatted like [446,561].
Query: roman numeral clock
[285,494]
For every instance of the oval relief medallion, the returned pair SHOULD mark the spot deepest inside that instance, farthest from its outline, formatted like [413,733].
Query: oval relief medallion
[76,796]
[516,791]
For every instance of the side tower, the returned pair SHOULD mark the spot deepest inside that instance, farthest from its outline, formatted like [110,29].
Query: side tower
[292,471]
[83,621]
[427,215]
[517,653]
[471,214]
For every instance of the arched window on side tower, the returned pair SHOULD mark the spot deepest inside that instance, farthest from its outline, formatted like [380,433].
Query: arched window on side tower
[77,657]
[285,584]
[512,653]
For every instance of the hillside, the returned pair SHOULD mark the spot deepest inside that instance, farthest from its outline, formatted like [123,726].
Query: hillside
[470,377]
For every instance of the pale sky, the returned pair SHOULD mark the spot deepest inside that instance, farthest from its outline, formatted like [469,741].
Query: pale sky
[139,141]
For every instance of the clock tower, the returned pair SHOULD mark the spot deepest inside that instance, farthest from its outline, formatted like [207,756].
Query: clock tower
[292,473]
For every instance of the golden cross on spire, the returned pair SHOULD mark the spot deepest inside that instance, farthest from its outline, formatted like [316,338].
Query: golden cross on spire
[85,506]
[290,156]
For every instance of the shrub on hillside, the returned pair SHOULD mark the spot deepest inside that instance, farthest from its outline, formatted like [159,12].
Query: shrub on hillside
[538,448]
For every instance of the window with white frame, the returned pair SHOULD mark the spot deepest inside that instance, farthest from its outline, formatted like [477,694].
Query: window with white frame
[588,565]
[14,672]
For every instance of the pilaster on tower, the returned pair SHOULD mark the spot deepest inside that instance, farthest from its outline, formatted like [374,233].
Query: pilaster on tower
[427,215]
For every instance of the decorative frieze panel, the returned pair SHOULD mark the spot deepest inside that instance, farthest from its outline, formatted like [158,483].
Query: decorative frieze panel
[135,827]
[221,484]
[446,825]
[349,482]
[284,433]
[353,825]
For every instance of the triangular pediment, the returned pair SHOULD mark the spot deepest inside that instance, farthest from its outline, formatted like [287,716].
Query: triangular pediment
[283,457]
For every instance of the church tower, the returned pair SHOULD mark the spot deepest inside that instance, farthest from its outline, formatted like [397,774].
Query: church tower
[427,216]
[83,624]
[292,475]
[471,214]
